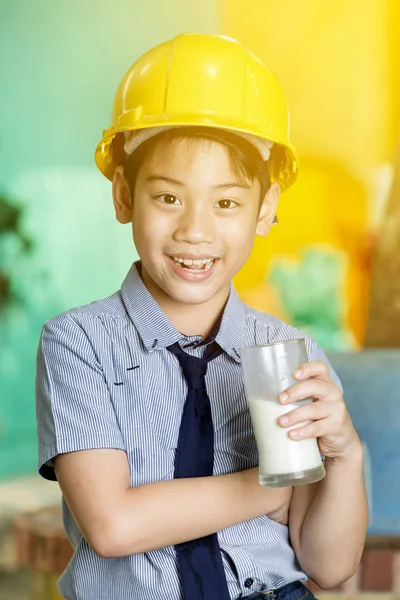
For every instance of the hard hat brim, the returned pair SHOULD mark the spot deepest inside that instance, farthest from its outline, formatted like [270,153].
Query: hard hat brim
[108,157]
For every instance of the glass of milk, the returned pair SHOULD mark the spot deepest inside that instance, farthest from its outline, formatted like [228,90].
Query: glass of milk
[268,371]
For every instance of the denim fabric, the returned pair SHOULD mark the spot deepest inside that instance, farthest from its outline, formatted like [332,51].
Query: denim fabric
[291,591]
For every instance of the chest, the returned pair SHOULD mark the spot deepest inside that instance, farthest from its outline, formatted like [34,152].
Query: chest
[148,399]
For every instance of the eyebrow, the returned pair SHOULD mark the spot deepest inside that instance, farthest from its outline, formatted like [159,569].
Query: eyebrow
[229,184]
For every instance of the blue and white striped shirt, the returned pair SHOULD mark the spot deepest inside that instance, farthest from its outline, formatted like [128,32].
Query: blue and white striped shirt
[106,380]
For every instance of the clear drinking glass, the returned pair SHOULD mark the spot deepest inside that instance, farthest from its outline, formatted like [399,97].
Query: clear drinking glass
[268,371]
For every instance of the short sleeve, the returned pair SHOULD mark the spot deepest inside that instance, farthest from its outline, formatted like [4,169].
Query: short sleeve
[73,403]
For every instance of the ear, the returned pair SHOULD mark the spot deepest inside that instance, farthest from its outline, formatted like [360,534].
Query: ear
[268,210]
[122,196]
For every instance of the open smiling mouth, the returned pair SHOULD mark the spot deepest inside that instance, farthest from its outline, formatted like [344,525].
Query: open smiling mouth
[198,264]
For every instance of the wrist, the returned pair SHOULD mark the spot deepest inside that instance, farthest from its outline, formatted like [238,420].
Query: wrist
[352,455]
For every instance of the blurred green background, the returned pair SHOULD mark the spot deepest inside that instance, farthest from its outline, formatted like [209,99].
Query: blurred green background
[60,64]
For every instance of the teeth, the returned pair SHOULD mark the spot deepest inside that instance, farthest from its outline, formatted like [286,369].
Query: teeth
[198,262]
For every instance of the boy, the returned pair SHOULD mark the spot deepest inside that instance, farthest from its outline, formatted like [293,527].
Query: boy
[142,417]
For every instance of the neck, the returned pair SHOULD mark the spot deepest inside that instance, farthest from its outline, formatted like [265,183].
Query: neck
[189,319]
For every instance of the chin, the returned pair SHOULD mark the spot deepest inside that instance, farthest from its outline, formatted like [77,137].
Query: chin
[181,292]
[196,293]
[192,298]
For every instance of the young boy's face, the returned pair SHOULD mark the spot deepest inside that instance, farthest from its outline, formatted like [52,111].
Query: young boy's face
[194,222]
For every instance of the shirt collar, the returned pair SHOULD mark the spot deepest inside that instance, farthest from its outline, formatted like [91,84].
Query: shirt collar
[157,331]
[153,325]
[232,332]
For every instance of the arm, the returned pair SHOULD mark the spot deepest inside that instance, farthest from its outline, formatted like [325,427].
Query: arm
[118,520]
[79,436]
[328,521]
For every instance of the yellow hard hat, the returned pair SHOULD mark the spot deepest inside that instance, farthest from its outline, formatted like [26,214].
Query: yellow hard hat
[202,80]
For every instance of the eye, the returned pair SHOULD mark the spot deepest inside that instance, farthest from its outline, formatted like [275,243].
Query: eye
[226,204]
[169,199]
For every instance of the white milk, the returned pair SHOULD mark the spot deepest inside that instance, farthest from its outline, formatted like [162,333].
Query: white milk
[278,453]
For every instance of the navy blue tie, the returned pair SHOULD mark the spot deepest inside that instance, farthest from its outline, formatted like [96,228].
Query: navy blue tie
[199,561]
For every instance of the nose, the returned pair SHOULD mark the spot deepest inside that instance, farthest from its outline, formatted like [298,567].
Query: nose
[195,225]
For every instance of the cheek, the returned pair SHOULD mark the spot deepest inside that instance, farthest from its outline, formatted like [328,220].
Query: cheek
[240,233]
[147,228]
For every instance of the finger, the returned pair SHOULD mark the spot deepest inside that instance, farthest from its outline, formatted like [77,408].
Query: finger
[311,388]
[316,369]
[310,412]
[315,429]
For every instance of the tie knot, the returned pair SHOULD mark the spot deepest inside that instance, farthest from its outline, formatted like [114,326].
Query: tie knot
[194,369]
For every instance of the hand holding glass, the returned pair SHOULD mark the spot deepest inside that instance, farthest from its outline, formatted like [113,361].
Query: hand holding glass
[267,372]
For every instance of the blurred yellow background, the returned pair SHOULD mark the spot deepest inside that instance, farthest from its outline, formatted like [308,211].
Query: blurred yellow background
[339,63]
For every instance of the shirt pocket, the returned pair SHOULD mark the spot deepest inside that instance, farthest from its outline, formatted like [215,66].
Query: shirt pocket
[150,440]
[152,405]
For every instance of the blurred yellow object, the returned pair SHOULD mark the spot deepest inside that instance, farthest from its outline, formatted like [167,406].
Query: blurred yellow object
[202,80]
[44,586]
[42,546]
[339,63]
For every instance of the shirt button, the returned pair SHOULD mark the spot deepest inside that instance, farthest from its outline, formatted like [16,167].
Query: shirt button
[249,582]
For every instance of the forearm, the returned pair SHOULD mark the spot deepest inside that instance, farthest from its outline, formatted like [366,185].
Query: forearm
[118,520]
[335,527]
[169,512]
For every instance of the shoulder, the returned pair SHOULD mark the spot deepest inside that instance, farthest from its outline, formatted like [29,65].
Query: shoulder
[89,316]
[86,329]
[265,328]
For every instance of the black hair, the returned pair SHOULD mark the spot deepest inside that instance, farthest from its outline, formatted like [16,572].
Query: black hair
[246,161]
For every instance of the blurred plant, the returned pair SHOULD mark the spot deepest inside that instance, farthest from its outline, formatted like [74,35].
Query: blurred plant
[11,234]
[311,293]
